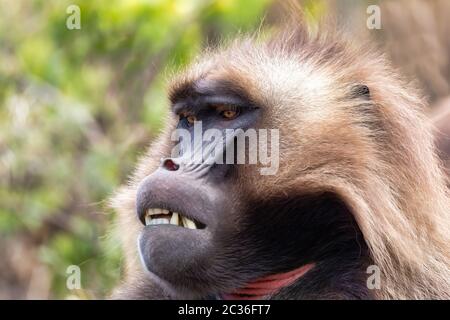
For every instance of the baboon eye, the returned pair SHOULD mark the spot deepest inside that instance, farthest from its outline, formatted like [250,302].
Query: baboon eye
[229,114]
[191,119]
[187,119]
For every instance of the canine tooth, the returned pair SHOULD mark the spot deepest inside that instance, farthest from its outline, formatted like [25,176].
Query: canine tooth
[182,221]
[188,223]
[174,220]
[147,220]
[180,218]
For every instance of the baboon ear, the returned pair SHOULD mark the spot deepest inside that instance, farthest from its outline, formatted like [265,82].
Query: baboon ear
[361,91]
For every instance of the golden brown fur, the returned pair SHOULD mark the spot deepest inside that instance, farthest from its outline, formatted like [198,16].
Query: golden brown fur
[378,155]
[416,33]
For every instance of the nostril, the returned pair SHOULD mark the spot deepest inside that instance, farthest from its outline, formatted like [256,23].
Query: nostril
[170,165]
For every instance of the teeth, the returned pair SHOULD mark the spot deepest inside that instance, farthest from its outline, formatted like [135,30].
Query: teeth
[147,220]
[159,221]
[152,212]
[188,223]
[174,220]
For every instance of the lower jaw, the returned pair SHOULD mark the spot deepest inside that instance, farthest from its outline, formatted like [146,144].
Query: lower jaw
[165,249]
[266,286]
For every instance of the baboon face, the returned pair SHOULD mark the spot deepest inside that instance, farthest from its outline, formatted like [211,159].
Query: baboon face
[209,227]
[189,208]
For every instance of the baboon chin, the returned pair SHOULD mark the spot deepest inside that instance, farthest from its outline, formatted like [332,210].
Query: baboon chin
[358,184]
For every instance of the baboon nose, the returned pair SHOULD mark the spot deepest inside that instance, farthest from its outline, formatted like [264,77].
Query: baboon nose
[170,165]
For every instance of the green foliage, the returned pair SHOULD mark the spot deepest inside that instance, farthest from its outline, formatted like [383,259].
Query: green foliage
[76,108]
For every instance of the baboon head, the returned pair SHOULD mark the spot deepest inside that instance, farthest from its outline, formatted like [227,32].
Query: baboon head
[348,139]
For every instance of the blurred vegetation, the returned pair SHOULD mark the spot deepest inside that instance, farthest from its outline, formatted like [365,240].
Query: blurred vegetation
[76,109]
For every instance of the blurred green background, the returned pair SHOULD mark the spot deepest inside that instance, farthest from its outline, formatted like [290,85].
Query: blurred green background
[76,109]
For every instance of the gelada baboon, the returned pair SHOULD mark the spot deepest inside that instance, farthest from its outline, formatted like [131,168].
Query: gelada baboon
[358,209]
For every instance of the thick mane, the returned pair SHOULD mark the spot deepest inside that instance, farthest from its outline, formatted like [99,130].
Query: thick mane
[400,200]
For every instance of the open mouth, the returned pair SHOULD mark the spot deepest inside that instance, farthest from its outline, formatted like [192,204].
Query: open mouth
[157,216]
